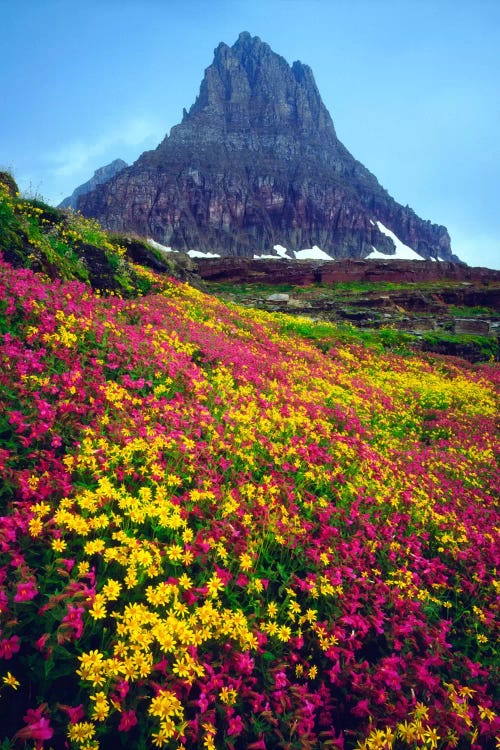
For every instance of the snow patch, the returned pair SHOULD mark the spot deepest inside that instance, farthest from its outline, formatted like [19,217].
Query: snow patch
[282,251]
[199,254]
[312,253]
[375,255]
[403,252]
[264,257]
[157,245]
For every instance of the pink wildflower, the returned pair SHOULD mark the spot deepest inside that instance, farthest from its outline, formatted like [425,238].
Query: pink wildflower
[128,720]
[38,727]
[26,591]
[41,642]
[280,680]
[9,647]
[235,725]
[75,713]
[259,745]
[73,621]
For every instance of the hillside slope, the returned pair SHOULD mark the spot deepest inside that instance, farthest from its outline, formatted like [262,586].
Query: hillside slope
[63,244]
[215,532]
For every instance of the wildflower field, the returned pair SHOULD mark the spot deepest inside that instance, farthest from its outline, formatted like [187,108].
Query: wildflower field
[216,534]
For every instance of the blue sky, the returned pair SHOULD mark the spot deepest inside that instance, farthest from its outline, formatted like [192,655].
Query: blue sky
[413,87]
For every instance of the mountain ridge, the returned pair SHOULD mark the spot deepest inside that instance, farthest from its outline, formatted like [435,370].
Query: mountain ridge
[101,175]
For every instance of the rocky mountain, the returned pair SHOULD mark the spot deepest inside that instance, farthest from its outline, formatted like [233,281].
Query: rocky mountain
[100,175]
[256,163]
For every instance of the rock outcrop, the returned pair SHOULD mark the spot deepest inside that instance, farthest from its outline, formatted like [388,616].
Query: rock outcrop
[306,272]
[101,175]
[9,183]
[256,162]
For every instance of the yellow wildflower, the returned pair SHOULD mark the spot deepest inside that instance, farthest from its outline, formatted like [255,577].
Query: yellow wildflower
[101,707]
[214,585]
[10,680]
[81,731]
[228,696]
[111,590]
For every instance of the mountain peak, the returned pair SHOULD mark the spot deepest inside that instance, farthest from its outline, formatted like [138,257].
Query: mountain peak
[248,44]
[256,163]
[246,38]
[250,89]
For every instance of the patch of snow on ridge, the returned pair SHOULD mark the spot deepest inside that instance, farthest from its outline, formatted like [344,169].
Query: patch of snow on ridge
[376,255]
[199,254]
[403,252]
[264,257]
[282,251]
[312,253]
[157,245]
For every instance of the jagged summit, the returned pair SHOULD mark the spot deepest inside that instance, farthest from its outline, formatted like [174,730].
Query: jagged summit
[249,87]
[254,163]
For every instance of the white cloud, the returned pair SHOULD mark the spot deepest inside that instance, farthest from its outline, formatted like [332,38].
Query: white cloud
[77,157]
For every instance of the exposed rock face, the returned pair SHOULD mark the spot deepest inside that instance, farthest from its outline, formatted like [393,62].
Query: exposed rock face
[9,183]
[100,176]
[255,163]
[305,272]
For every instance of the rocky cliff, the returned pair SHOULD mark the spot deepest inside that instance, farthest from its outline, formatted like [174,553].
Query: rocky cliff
[306,272]
[255,163]
[100,175]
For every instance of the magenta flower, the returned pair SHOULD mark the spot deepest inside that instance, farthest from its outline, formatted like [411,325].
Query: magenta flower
[9,647]
[235,725]
[38,727]
[75,713]
[128,720]
[72,621]
[25,591]
[259,745]
[280,680]
[42,641]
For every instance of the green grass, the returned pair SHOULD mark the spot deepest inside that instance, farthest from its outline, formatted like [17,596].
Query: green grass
[341,290]
[485,346]
[467,312]
[326,335]
[61,243]
[247,289]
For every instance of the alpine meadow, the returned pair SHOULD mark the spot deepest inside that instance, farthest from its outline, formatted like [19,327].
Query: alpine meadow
[218,531]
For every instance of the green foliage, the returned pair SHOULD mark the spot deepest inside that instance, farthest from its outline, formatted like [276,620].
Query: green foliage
[393,339]
[486,347]
[474,311]
[10,236]
[64,244]
[224,288]
[326,335]
[361,287]
[344,289]
[48,213]
[9,183]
